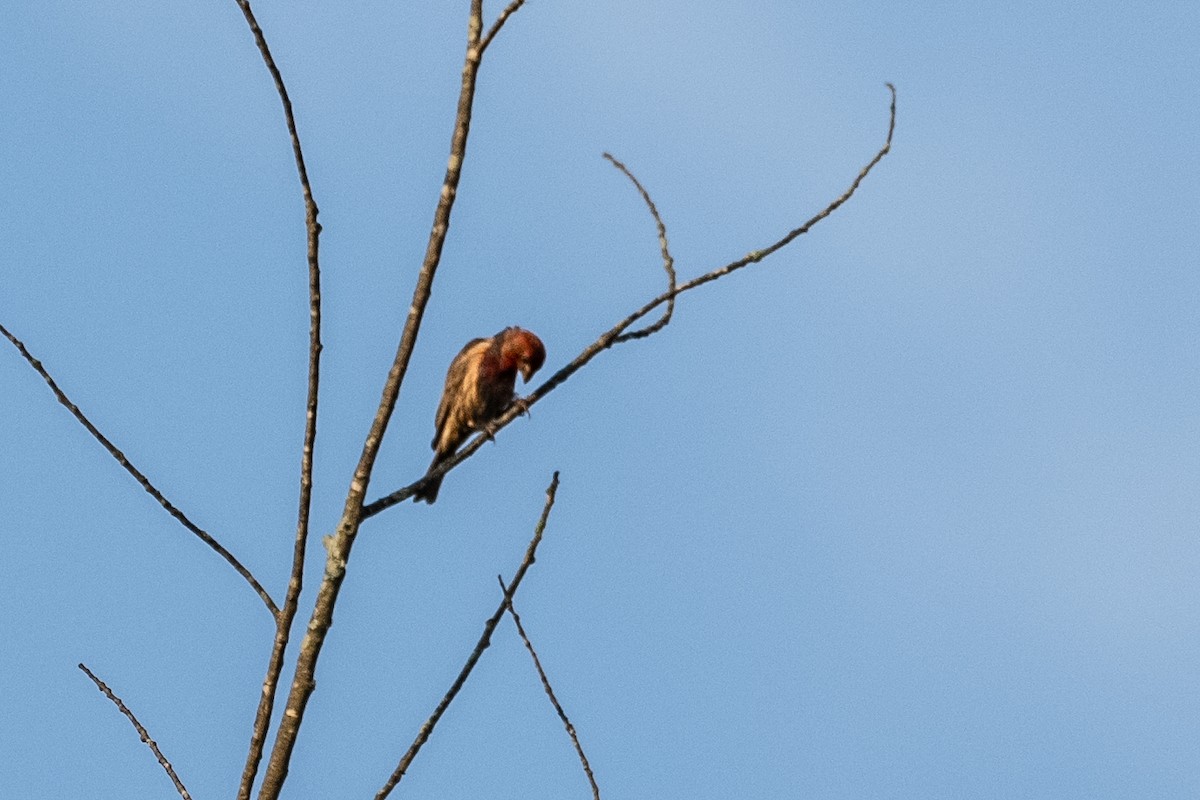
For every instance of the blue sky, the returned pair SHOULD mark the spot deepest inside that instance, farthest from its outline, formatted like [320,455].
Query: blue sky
[908,510]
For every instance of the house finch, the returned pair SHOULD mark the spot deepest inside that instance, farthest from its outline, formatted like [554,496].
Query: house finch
[479,388]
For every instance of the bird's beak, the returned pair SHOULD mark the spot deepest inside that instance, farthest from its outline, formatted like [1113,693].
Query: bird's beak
[526,371]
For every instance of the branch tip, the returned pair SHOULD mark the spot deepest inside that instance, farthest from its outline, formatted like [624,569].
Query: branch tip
[141,729]
[562,715]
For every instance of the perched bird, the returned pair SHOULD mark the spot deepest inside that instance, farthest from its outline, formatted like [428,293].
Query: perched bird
[479,388]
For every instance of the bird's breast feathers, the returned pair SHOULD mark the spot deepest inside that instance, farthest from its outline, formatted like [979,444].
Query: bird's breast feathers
[473,366]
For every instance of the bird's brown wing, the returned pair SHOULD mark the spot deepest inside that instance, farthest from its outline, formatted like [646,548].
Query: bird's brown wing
[461,381]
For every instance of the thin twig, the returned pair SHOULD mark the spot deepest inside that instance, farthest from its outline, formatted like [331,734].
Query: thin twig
[537,663]
[283,621]
[142,732]
[508,11]
[137,474]
[338,546]
[484,641]
[613,335]
[668,262]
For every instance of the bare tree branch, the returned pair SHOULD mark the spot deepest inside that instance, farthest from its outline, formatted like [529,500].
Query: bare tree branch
[338,546]
[668,262]
[615,334]
[508,11]
[484,642]
[284,619]
[537,662]
[124,709]
[137,474]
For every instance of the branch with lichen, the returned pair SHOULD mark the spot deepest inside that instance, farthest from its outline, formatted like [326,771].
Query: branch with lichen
[338,545]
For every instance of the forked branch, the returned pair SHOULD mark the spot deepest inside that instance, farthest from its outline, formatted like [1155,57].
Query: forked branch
[338,546]
[508,11]
[140,477]
[668,262]
[617,333]
[484,642]
[142,732]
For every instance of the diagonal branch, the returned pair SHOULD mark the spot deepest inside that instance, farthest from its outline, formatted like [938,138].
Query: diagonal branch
[339,545]
[142,732]
[138,476]
[668,262]
[284,619]
[484,642]
[537,662]
[614,335]
[508,11]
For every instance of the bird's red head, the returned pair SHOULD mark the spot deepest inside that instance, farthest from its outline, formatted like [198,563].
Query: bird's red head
[522,349]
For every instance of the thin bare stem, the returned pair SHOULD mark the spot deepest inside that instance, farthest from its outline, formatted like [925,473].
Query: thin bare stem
[668,262]
[338,546]
[562,715]
[142,732]
[140,477]
[614,335]
[508,11]
[484,642]
[283,624]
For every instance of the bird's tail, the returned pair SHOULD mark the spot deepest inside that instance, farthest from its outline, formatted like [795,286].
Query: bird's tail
[429,491]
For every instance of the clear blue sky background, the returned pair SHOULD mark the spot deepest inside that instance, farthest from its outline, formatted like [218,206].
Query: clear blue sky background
[908,510]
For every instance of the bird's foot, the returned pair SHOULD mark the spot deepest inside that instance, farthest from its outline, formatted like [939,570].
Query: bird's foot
[488,431]
[522,405]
